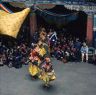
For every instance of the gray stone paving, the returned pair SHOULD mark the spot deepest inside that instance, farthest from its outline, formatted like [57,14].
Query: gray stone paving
[72,79]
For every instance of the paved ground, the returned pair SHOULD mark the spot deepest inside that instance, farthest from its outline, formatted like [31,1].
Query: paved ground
[72,79]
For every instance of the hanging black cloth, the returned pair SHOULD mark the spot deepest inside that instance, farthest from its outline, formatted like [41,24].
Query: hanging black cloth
[58,15]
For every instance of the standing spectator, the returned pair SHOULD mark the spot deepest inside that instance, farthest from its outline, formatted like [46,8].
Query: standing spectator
[77,45]
[84,52]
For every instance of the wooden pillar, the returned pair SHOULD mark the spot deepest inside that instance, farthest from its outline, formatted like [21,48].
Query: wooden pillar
[33,23]
[89,35]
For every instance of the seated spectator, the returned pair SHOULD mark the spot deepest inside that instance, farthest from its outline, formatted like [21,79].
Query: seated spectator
[10,60]
[4,58]
[94,58]
[84,52]
[1,61]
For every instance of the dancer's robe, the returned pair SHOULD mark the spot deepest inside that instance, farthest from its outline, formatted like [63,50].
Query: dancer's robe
[34,64]
[47,76]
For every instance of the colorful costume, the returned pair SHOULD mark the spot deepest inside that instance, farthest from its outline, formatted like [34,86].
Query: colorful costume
[36,57]
[42,52]
[35,61]
[47,73]
[41,66]
[33,68]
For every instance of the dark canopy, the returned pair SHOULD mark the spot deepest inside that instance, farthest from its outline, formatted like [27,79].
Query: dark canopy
[58,15]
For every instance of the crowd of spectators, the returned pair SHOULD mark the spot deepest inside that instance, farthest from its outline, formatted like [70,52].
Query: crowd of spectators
[66,48]
[63,47]
[14,56]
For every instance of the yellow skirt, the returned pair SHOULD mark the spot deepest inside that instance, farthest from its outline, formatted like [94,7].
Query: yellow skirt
[46,77]
[33,69]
